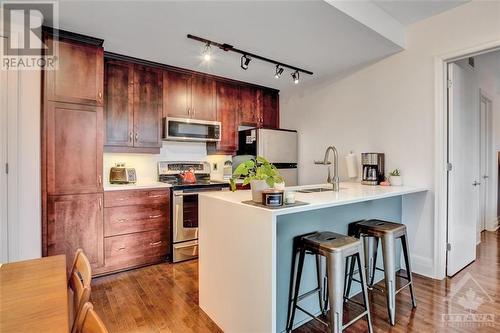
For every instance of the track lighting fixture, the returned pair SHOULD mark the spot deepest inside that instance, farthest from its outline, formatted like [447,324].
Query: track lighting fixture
[246,57]
[245,60]
[207,52]
[279,71]
[296,77]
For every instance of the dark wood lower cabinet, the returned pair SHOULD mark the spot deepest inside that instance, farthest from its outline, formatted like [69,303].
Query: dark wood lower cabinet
[76,221]
[136,229]
[137,249]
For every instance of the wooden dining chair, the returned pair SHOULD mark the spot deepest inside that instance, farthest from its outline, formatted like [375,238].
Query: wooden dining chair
[89,321]
[80,277]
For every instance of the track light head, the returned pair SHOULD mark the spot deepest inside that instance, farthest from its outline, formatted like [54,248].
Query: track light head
[279,71]
[245,61]
[296,77]
[207,52]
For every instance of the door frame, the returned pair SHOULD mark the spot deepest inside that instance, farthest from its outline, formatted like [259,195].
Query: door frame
[441,148]
[489,161]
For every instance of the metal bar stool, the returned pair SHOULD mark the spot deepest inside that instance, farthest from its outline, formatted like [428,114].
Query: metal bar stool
[336,248]
[371,231]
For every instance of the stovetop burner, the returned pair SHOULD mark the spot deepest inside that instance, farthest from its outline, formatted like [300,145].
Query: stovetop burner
[169,172]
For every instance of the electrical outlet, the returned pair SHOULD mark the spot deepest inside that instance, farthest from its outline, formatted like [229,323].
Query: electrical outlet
[214,166]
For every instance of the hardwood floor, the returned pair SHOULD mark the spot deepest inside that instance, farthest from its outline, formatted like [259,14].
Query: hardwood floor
[164,298]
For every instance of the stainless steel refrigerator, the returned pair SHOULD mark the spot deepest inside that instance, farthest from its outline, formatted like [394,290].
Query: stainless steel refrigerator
[278,146]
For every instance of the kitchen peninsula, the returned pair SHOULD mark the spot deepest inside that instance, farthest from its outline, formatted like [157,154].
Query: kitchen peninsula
[245,250]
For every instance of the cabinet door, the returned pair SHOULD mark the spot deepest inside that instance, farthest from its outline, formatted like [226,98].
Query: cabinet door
[176,94]
[270,109]
[148,101]
[79,76]
[250,106]
[119,103]
[203,98]
[228,104]
[74,149]
[76,221]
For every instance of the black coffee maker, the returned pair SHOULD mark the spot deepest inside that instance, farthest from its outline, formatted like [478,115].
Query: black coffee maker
[373,168]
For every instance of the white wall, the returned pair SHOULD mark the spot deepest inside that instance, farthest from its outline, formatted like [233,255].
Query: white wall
[389,107]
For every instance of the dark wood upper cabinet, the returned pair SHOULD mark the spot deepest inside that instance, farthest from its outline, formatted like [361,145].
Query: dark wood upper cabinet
[270,109]
[134,107]
[73,148]
[76,221]
[250,106]
[119,106]
[203,97]
[148,102]
[228,106]
[176,94]
[79,76]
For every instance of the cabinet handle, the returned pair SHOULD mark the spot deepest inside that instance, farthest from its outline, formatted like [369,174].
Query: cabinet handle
[155,196]
[100,204]
[136,136]
[194,112]
[155,216]
[155,243]
[122,220]
[121,248]
[99,95]
[99,180]
[130,137]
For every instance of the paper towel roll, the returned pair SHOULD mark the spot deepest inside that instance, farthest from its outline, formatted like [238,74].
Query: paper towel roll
[352,165]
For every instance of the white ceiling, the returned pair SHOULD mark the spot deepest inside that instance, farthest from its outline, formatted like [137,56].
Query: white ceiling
[411,11]
[313,35]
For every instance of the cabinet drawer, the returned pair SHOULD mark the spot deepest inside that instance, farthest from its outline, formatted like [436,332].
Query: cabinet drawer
[136,197]
[128,219]
[136,249]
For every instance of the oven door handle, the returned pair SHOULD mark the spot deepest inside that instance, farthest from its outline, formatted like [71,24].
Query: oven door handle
[184,194]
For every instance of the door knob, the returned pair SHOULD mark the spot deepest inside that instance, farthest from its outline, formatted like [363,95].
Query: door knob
[476,183]
[485,177]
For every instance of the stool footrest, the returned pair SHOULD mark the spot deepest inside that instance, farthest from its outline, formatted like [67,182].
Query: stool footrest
[403,287]
[307,294]
[311,315]
[352,321]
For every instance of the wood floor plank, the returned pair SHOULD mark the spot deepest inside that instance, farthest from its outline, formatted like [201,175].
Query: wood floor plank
[164,298]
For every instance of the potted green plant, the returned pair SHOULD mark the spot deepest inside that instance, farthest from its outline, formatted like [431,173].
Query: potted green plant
[259,173]
[395,178]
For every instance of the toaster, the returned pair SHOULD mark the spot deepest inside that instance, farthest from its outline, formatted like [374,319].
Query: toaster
[119,174]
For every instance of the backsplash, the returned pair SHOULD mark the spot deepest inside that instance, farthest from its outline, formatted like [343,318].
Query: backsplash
[146,164]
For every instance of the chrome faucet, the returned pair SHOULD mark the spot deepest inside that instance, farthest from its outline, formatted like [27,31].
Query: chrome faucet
[336,180]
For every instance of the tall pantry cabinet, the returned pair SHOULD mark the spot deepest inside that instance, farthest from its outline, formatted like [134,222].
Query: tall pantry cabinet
[72,149]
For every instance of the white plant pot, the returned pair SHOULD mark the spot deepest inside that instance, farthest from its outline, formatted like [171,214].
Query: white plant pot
[396,181]
[257,187]
[279,186]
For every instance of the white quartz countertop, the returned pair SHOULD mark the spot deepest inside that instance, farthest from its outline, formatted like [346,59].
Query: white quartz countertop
[137,186]
[349,193]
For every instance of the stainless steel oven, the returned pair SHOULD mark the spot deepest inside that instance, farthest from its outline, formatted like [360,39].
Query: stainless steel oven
[185,221]
[181,129]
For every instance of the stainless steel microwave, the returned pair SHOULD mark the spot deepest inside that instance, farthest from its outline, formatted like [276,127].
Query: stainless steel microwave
[185,129]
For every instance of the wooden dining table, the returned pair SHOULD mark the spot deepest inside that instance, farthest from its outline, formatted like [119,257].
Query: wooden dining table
[33,296]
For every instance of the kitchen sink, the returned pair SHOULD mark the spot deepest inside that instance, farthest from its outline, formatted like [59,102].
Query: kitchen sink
[316,189]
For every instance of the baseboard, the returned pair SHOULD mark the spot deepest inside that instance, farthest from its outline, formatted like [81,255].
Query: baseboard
[422,266]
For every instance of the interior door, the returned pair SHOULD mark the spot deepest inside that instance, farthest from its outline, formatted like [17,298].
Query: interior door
[483,160]
[4,254]
[463,189]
